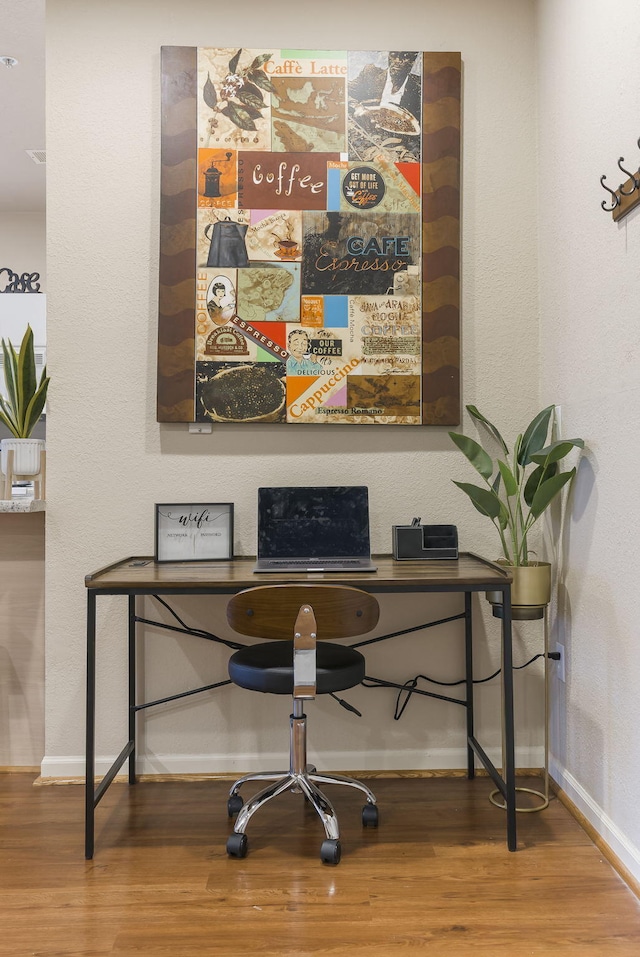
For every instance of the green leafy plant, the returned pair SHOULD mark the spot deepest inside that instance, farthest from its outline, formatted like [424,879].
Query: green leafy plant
[521,485]
[25,399]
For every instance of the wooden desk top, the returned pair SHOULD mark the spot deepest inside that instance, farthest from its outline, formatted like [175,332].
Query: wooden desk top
[468,572]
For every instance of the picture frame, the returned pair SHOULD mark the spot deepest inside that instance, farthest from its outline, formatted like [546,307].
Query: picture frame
[193,532]
[309,241]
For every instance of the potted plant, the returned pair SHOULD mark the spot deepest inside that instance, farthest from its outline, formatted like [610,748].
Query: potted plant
[518,489]
[21,408]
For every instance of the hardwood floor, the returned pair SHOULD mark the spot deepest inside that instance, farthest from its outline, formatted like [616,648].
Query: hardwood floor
[435,878]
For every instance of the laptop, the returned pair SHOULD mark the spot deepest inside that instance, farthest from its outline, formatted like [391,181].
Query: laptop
[318,529]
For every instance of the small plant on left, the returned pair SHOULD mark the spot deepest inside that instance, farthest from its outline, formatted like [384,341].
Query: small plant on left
[21,408]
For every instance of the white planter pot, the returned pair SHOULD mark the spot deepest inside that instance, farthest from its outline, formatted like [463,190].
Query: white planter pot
[26,456]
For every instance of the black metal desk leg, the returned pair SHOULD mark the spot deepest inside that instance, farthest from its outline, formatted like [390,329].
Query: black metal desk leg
[132,687]
[508,771]
[468,646]
[90,727]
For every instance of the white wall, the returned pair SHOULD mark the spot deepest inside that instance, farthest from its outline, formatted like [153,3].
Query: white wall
[589,71]
[109,461]
[23,245]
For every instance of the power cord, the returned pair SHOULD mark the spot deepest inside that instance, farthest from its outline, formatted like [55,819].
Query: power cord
[409,687]
[186,629]
[345,704]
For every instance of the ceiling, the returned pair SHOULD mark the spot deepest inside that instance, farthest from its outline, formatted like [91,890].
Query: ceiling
[22,106]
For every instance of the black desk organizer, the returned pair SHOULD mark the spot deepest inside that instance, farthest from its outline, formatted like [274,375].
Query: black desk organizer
[425,541]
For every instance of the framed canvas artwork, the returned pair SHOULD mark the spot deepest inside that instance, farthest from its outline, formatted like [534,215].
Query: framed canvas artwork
[309,247]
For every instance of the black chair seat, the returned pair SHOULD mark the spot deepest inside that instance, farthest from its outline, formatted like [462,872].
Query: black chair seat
[268,667]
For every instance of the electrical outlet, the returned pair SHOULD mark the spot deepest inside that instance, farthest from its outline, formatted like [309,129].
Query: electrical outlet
[560,671]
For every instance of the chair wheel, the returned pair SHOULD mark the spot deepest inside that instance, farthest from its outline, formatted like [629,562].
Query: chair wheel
[237,845]
[330,852]
[234,805]
[370,815]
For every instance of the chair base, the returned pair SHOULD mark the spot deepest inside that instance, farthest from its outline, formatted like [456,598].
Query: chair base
[305,782]
[303,778]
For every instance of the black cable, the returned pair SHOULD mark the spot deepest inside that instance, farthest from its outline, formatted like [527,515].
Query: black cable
[408,688]
[345,704]
[398,711]
[196,632]
[411,685]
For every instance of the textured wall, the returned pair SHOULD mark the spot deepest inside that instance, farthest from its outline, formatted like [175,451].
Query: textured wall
[590,359]
[110,461]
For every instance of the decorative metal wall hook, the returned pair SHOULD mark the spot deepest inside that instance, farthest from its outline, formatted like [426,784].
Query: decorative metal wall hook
[632,176]
[616,198]
[627,196]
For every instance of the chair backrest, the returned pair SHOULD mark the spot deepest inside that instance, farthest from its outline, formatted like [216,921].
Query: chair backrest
[270,611]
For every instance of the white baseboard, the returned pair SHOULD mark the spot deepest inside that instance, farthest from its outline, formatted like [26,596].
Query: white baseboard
[626,852]
[72,766]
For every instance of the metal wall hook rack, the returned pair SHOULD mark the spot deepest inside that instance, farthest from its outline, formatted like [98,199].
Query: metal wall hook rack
[626,197]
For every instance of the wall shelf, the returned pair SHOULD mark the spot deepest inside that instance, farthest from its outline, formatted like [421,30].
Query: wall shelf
[22,505]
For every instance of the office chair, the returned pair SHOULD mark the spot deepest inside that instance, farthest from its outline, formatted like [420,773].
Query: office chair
[296,664]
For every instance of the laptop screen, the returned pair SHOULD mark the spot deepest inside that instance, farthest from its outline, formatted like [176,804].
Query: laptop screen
[319,522]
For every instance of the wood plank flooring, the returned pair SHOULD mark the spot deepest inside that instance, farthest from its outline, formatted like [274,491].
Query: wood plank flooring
[434,879]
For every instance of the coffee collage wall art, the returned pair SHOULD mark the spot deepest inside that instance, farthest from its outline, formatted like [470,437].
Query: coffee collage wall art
[309,237]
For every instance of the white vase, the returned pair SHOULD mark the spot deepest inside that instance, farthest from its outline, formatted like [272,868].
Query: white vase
[26,456]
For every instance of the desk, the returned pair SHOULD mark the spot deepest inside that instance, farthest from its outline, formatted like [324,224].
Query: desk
[142,576]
